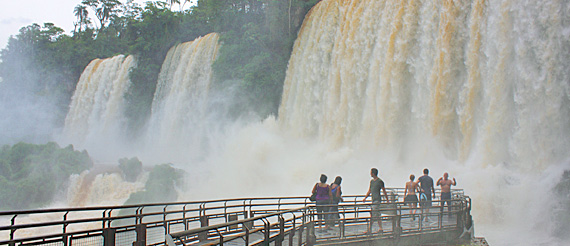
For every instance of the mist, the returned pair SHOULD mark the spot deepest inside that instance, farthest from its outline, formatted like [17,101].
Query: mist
[28,114]
[486,100]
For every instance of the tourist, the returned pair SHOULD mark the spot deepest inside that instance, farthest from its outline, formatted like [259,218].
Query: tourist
[410,196]
[336,198]
[323,199]
[376,184]
[446,184]
[426,188]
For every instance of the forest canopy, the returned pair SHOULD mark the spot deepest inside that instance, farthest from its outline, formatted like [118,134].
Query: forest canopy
[256,36]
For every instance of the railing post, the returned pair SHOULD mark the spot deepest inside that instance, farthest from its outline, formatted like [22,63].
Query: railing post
[231,218]
[440,216]
[203,236]
[281,237]
[311,238]
[184,218]
[65,240]
[267,228]
[301,232]
[166,227]
[12,230]
[109,236]
[246,227]
[141,235]
[396,226]
[293,230]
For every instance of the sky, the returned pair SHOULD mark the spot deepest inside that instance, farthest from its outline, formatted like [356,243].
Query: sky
[17,14]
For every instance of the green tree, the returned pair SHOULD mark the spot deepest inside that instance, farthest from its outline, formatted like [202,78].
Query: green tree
[131,168]
[104,10]
[80,11]
[160,186]
[32,174]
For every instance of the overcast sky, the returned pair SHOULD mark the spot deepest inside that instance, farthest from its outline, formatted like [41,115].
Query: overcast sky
[15,14]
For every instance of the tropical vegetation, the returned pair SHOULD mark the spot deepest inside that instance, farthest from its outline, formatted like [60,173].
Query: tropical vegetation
[256,36]
[31,175]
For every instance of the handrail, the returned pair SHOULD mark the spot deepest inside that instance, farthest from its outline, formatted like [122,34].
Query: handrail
[184,214]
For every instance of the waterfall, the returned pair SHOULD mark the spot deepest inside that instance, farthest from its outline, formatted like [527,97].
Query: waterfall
[478,88]
[101,186]
[96,113]
[486,78]
[179,107]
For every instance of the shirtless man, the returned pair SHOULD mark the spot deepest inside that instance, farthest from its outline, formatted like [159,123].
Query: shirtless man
[446,184]
[410,196]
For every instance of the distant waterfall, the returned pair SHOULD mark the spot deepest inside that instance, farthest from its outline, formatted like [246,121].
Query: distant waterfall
[179,106]
[488,80]
[101,187]
[96,113]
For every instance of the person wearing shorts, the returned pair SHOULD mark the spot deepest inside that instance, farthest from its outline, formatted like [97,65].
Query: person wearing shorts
[410,196]
[376,185]
[426,188]
[446,184]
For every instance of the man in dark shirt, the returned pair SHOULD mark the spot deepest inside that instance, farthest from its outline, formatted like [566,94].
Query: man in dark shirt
[426,188]
[376,185]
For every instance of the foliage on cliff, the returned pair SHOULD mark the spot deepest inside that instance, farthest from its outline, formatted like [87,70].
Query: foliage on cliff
[131,168]
[160,186]
[31,175]
[256,35]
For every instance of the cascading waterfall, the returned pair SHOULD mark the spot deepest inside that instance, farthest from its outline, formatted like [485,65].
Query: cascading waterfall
[480,77]
[179,107]
[483,83]
[477,88]
[101,187]
[96,113]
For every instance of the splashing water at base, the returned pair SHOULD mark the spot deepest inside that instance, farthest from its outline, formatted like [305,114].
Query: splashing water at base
[478,89]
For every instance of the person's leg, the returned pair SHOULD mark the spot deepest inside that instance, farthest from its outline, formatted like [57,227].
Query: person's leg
[319,213]
[334,215]
[327,215]
[369,226]
[378,217]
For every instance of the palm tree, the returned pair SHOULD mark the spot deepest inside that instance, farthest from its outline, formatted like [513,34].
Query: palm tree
[184,3]
[104,9]
[81,13]
[172,2]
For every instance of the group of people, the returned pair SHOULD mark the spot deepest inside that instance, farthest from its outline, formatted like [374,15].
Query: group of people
[328,196]
[327,199]
[424,186]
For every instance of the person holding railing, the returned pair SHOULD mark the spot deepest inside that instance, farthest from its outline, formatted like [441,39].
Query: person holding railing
[446,184]
[376,184]
[323,199]
[410,196]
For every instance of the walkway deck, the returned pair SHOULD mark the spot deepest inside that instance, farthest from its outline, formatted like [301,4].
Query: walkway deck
[244,221]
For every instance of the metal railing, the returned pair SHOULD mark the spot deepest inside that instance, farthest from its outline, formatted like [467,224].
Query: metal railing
[277,220]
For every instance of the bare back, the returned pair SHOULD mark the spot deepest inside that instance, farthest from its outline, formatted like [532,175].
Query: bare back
[411,187]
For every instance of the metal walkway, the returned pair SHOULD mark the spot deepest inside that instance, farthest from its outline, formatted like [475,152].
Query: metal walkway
[244,221]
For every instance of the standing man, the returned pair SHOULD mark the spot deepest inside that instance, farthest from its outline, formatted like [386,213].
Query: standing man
[376,184]
[446,184]
[426,188]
